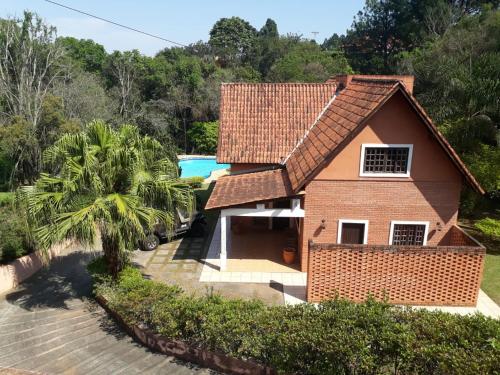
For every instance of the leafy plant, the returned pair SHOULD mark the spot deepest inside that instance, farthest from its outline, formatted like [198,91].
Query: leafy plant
[335,337]
[489,226]
[15,240]
[115,183]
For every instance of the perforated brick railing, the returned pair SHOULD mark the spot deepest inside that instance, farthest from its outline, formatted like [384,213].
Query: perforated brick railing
[426,275]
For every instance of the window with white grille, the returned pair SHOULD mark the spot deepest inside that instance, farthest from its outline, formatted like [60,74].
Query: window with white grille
[385,160]
[409,233]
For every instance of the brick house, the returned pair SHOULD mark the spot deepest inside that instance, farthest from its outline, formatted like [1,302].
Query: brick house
[359,173]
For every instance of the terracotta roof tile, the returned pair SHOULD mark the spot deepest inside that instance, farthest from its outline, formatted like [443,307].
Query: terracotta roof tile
[349,109]
[262,123]
[249,187]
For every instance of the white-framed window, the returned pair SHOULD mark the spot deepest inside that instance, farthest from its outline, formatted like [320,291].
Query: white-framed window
[352,231]
[385,160]
[413,233]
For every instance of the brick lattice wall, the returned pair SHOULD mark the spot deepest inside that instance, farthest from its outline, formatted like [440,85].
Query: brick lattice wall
[406,275]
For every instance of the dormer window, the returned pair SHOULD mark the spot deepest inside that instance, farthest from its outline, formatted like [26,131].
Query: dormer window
[385,160]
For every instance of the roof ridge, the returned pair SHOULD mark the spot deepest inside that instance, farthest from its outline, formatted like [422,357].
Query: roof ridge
[375,79]
[279,83]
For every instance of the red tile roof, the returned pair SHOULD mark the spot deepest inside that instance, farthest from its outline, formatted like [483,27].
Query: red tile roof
[349,109]
[344,116]
[334,123]
[262,122]
[249,187]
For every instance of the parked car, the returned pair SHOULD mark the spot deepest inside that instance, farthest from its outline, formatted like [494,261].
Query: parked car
[186,223]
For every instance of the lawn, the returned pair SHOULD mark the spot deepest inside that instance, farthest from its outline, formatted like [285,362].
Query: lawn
[6,197]
[491,274]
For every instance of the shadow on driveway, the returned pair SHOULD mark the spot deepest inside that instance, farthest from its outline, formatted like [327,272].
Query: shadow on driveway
[64,279]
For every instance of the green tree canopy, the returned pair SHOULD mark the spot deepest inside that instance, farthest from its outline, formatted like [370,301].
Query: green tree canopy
[87,53]
[269,30]
[232,39]
[306,62]
[112,183]
[458,82]
[204,136]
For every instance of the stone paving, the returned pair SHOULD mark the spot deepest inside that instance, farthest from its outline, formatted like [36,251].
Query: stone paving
[181,262]
[49,325]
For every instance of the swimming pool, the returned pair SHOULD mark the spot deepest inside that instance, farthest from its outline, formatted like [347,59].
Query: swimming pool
[199,167]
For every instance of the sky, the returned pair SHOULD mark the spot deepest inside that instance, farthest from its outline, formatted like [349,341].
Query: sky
[184,21]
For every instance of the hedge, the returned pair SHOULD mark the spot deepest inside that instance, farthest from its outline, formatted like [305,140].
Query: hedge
[195,182]
[334,337]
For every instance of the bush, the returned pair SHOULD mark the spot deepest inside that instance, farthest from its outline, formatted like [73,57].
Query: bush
[195,182]
[335,337]
[490,227]
[14,234]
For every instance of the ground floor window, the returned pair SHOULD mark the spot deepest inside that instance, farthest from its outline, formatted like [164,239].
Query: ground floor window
[352,231]
[413,233]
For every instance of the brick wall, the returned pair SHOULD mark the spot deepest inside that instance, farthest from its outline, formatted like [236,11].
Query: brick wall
[430,275]
[457,237]
[379,202]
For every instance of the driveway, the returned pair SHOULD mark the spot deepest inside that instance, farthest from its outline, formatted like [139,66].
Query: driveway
[49,325]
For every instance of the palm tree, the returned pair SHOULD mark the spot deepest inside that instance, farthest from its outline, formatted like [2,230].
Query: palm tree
[113,183]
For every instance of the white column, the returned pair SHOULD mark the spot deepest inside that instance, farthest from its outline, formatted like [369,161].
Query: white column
[270,219]
[223,241]
[294,205]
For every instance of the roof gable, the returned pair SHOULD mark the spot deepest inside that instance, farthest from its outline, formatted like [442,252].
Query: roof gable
[343,118]
[261,123]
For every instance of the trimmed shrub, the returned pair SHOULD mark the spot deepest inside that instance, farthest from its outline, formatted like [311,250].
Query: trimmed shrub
[334,337]
[195,182]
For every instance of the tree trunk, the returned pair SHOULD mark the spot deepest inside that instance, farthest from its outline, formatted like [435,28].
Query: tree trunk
[111,254]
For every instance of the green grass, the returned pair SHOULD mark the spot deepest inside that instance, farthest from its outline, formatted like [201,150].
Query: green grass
[491,277]
[491,274]
[6,198]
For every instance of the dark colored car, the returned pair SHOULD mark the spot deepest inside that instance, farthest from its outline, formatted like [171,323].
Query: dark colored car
[192,224]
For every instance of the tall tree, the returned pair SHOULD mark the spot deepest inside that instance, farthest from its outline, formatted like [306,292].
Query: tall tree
[306,62]
[269,30]
[125,70]
[232,38]
[379,33]
[30,63]
[112,183]
[87,53]
[458,82]
[84,97]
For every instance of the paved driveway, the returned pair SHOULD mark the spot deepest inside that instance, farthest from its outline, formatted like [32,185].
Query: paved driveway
[48,325]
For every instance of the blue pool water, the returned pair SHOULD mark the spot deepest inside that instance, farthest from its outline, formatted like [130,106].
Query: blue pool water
[199,167]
